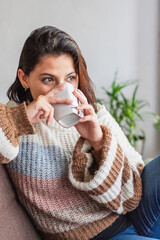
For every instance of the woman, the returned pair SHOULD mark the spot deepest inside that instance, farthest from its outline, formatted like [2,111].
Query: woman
[76,183]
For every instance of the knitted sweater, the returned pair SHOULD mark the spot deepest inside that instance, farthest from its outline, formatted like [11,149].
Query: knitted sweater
[70,190]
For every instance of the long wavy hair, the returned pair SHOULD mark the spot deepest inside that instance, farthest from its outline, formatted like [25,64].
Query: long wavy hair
[53,41]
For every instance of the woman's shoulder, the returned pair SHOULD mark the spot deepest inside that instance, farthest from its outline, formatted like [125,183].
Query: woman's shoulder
[104,116]
[101,110]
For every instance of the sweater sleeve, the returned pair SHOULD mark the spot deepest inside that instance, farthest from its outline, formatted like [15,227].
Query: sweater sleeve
[112,175]
[14,123]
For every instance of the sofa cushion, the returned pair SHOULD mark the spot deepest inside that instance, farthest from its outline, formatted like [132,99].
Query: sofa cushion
[15,224]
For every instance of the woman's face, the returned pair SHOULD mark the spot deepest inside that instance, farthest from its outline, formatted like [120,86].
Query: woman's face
[48,73]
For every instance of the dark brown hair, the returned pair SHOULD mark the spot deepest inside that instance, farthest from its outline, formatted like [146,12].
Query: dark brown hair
[50,40]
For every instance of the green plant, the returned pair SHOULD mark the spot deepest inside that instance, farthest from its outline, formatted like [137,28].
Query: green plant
[126,111]
[156,121]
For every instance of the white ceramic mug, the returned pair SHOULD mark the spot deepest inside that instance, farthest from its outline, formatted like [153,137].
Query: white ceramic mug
[67,115]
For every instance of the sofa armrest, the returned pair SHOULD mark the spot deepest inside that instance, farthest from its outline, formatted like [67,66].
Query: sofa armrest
[15,224]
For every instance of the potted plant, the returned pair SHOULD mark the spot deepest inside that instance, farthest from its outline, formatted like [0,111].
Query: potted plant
[126,111]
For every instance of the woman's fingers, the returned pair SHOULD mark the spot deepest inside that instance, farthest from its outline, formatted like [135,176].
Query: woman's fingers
[90,115]
[81,97]
[48,112]
[54,100]
[89,118]
[55,90]
[40,109]
[86,107]
[50,116]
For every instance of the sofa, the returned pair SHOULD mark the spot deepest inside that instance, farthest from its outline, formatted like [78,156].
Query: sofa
[15,223]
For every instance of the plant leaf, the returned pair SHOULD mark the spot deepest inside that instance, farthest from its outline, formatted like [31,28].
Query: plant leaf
[134,94]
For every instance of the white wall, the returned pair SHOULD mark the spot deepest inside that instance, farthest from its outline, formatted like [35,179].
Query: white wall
[148,66]
[112,34]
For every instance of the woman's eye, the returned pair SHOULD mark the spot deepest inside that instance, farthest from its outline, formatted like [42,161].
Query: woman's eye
[48,80]
[71,78]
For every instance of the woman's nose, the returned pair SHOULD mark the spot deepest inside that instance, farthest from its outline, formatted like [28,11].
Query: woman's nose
[60,81]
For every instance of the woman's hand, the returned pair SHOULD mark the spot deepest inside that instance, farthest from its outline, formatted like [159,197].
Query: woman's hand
[42,107]
[88,126]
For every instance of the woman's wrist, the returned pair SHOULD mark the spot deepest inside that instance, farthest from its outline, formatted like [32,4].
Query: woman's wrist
[97,144]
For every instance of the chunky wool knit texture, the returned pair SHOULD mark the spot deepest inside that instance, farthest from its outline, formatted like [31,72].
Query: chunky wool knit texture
[70,190]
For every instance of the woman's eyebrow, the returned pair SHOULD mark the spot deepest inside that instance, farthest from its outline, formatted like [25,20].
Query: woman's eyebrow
[51,75]
[70,73]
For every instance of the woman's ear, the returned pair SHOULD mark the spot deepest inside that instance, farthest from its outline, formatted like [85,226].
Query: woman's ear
[23,78]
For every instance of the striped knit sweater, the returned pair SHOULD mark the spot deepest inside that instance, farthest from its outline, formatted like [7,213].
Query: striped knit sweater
[69,190]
